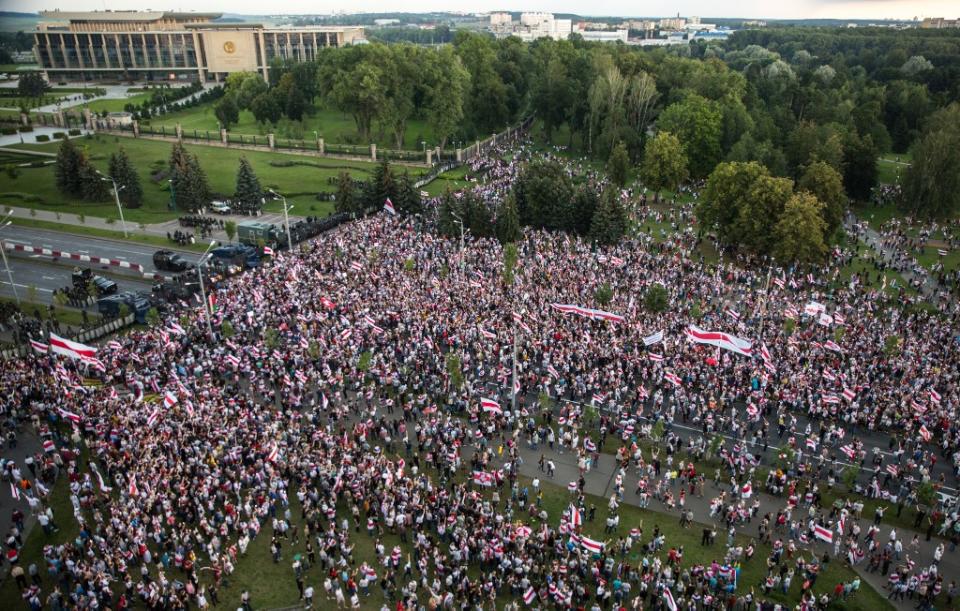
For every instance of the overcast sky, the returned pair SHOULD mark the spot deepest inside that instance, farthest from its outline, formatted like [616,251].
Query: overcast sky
[859,9]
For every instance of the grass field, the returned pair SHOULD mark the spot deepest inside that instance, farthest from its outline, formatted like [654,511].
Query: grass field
[271,584]
[333,126]
[35,187]
[66,316]
[117,104]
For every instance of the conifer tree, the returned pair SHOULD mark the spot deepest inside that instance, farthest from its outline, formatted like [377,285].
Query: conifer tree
[249,193]
[125,175]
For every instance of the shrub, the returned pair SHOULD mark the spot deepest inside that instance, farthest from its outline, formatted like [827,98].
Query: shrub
[37,164]
[26,128]
[74,132]
[8,131]
[43,138]
[59,135]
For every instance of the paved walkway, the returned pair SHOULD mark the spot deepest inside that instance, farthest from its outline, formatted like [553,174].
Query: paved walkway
[152,229]
[926,283]
[599,481]
[27,444]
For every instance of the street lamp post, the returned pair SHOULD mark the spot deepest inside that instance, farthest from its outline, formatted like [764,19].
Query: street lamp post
[203,292]
[459,221]
[286,217]
[116,196]
[173,195]
[3,251]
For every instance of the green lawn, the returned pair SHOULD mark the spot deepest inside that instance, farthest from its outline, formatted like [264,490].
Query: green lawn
[890,172]
[272,585]
[333,126]
[35,187]
[66,316]
[118,104]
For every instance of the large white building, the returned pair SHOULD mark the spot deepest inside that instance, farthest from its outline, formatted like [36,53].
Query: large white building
[170,46]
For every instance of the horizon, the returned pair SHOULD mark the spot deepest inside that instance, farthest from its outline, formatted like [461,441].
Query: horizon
[840,10]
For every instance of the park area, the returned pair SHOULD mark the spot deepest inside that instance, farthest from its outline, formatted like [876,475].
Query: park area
[31,183]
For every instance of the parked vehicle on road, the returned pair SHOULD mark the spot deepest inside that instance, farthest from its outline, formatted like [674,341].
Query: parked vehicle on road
[167,260]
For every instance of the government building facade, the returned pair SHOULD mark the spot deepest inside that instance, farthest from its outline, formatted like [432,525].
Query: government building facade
[170,46]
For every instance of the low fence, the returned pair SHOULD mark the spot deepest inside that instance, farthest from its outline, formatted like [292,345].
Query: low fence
[270,142]
[59,254]
[83,337]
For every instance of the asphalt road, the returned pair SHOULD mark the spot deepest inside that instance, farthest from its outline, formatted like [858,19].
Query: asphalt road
[84,245]
[47,276]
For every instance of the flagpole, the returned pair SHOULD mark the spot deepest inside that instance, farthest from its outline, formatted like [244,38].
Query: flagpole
[514,387]
[763,302]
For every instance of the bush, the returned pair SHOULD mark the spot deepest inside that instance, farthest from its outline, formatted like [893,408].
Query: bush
[43,138]
[74,132]
[8,131]
[37,164]
[26,128]
[59,135]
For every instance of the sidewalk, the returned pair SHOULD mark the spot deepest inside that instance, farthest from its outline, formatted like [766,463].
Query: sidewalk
[151,229]
[599,481]
[927,285]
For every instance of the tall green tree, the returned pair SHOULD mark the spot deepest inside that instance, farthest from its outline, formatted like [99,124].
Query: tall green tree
[249,193]
[698,124]
[66,169]
[799,233]
[347,200]
[265,108]
[931,185]
[406,197]
[664,164]
[610,220]
[585,203]
[190,188]
[544,196]
[125,175]
[860,174]
[381,185]
[227,111]
[508,222]
[825,183]
[31,85]
[92,184]
[743,203]
[618,165]
[296,104]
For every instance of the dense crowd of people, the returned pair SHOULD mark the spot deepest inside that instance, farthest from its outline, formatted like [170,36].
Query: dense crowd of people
[350,374]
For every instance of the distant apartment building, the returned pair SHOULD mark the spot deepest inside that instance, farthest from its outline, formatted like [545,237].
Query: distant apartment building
[604,35]
[500,19]
[170,46]
[531,27]
[939,23]
[672,23]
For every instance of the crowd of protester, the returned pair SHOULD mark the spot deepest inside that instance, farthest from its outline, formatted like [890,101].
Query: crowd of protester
[332,382]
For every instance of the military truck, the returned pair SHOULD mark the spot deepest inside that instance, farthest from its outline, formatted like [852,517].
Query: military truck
[252,232]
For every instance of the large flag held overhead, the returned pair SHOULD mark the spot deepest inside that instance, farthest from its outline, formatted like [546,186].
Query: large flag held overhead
[586,312]
[722,340]
[75,350]
[491,406]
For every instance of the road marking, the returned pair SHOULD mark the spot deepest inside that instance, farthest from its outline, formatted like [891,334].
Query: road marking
[24,286]
[48,278]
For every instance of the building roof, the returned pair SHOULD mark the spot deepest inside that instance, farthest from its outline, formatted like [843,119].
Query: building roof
[131,16]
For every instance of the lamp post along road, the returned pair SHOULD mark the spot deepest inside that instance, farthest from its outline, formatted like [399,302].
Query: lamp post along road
[3,251]
[203,293]
[286,217]
[116,196]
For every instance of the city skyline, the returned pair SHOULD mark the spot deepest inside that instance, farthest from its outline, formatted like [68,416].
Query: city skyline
[754,9]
